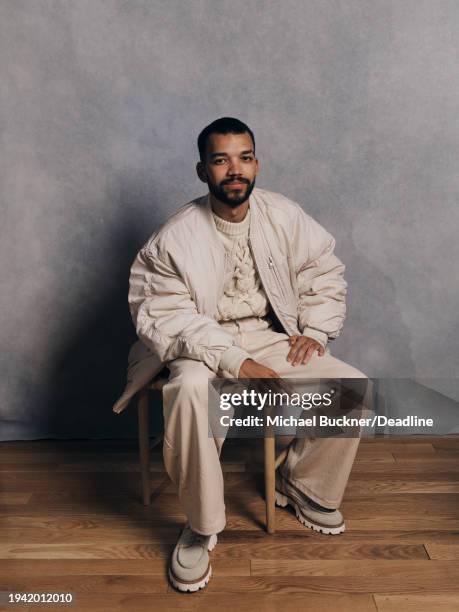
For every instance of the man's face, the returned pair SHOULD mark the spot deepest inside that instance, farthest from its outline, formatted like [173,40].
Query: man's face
[230,167]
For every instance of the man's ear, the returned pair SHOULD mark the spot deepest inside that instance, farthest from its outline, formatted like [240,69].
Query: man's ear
[201,171]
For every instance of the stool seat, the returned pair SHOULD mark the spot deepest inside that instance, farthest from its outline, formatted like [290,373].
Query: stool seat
[158,384]
[159,380]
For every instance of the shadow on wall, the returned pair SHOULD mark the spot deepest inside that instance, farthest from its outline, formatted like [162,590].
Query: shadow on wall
[433,399]
[367,342]
[89,372]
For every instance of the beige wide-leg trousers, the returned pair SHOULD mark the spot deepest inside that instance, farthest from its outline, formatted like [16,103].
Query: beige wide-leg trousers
[319,467]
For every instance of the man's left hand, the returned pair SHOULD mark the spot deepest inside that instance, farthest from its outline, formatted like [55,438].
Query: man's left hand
[302,349]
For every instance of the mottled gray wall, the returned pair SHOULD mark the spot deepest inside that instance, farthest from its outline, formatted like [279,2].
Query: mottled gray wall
[354,104]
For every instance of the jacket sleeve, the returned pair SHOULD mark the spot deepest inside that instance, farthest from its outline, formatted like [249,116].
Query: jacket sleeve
[321,286]
[167,320]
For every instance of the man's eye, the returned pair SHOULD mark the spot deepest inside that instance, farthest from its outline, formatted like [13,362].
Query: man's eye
[247,158]
[217,161]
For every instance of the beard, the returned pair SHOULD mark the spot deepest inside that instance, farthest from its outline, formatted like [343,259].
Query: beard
[234,197]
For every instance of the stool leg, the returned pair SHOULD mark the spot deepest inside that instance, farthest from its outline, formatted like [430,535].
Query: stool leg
[144,445]
[270,462]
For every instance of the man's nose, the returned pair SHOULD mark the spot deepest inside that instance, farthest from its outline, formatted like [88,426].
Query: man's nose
[234,167]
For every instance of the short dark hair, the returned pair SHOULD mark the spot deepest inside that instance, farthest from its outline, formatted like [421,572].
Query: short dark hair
[224,125]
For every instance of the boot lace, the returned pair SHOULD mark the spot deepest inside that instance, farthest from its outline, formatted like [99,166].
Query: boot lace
[190,537]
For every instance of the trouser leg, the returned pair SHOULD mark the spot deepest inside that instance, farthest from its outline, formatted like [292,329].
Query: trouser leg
[191,456]
[319,467]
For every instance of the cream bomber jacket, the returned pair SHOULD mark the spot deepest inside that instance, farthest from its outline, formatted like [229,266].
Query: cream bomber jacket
[179,275]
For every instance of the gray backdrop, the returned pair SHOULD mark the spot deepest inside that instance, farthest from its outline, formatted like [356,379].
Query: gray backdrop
[354,105]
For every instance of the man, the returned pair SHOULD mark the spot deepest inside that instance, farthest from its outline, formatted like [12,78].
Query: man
[240,283]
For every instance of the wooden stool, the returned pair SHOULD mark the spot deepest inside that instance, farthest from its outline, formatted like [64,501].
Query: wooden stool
[270,460]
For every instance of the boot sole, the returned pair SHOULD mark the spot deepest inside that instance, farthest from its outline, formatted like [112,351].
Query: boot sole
[283,500]
[192,587]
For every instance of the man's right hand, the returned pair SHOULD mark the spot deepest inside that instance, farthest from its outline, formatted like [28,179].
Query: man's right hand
[252,369]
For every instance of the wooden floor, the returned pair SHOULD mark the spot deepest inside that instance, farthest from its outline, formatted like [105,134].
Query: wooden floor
[72,521]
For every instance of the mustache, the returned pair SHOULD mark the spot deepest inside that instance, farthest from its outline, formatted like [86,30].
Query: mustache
[241,180]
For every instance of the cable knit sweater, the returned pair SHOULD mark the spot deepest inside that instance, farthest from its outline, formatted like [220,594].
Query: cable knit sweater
[243,295]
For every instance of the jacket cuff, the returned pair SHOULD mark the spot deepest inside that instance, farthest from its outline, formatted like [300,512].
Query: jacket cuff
[232,359]
[315,334]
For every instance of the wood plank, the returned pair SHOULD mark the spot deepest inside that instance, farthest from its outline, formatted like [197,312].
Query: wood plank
[120,602]
[162,543]
[124,478]
[363,568]
[35,466]
[121,484]
[76,523]
[389,583]
[406,504]
[412,439]
[399,504]
[315,550]
[247,602]
[399,494]
[67,456]
[131,534]
[14,499]
[113,583]
[80,567]
[406,467]
[422,456]
[307,546]
[253,481]
[285,519]
[204,601]
[78,551]
[124,484]
[131,466]
[168,528]
[231,454]
[154,552]
[359,486]
[391,446]
[420,524]
[47,444]
[371,455]
[442,551]
[155,568]
[417,603]
[131,444]
[445,442]
[248,499]
[448,453]
[421,459]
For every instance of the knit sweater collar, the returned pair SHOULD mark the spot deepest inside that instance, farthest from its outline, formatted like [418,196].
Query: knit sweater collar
[232,229]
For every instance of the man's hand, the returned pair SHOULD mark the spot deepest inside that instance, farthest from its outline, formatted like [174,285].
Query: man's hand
[253,369]
[302,349]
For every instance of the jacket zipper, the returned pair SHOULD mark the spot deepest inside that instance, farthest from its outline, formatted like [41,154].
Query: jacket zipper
[276,276]
[279,316]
